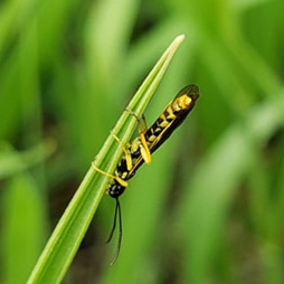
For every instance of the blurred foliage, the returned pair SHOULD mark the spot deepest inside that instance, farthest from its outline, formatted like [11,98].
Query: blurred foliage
[210,208]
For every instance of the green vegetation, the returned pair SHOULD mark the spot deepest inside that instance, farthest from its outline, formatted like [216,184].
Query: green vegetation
[210,207]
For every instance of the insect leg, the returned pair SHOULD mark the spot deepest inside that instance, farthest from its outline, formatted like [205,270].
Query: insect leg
[127,155]
[117,178]
[144,148]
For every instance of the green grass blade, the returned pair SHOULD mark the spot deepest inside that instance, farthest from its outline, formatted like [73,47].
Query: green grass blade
[66,238]
[22,230]
[12,162]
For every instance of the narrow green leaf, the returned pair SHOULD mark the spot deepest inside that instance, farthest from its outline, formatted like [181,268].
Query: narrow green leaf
[66,238]
[22,230]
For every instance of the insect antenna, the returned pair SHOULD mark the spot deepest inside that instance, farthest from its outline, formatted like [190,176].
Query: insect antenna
[117,215]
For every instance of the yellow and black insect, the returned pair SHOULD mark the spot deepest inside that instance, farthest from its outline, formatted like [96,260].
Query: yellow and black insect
[140,149]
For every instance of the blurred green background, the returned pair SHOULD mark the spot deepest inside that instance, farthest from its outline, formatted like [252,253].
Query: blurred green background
[210,208]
